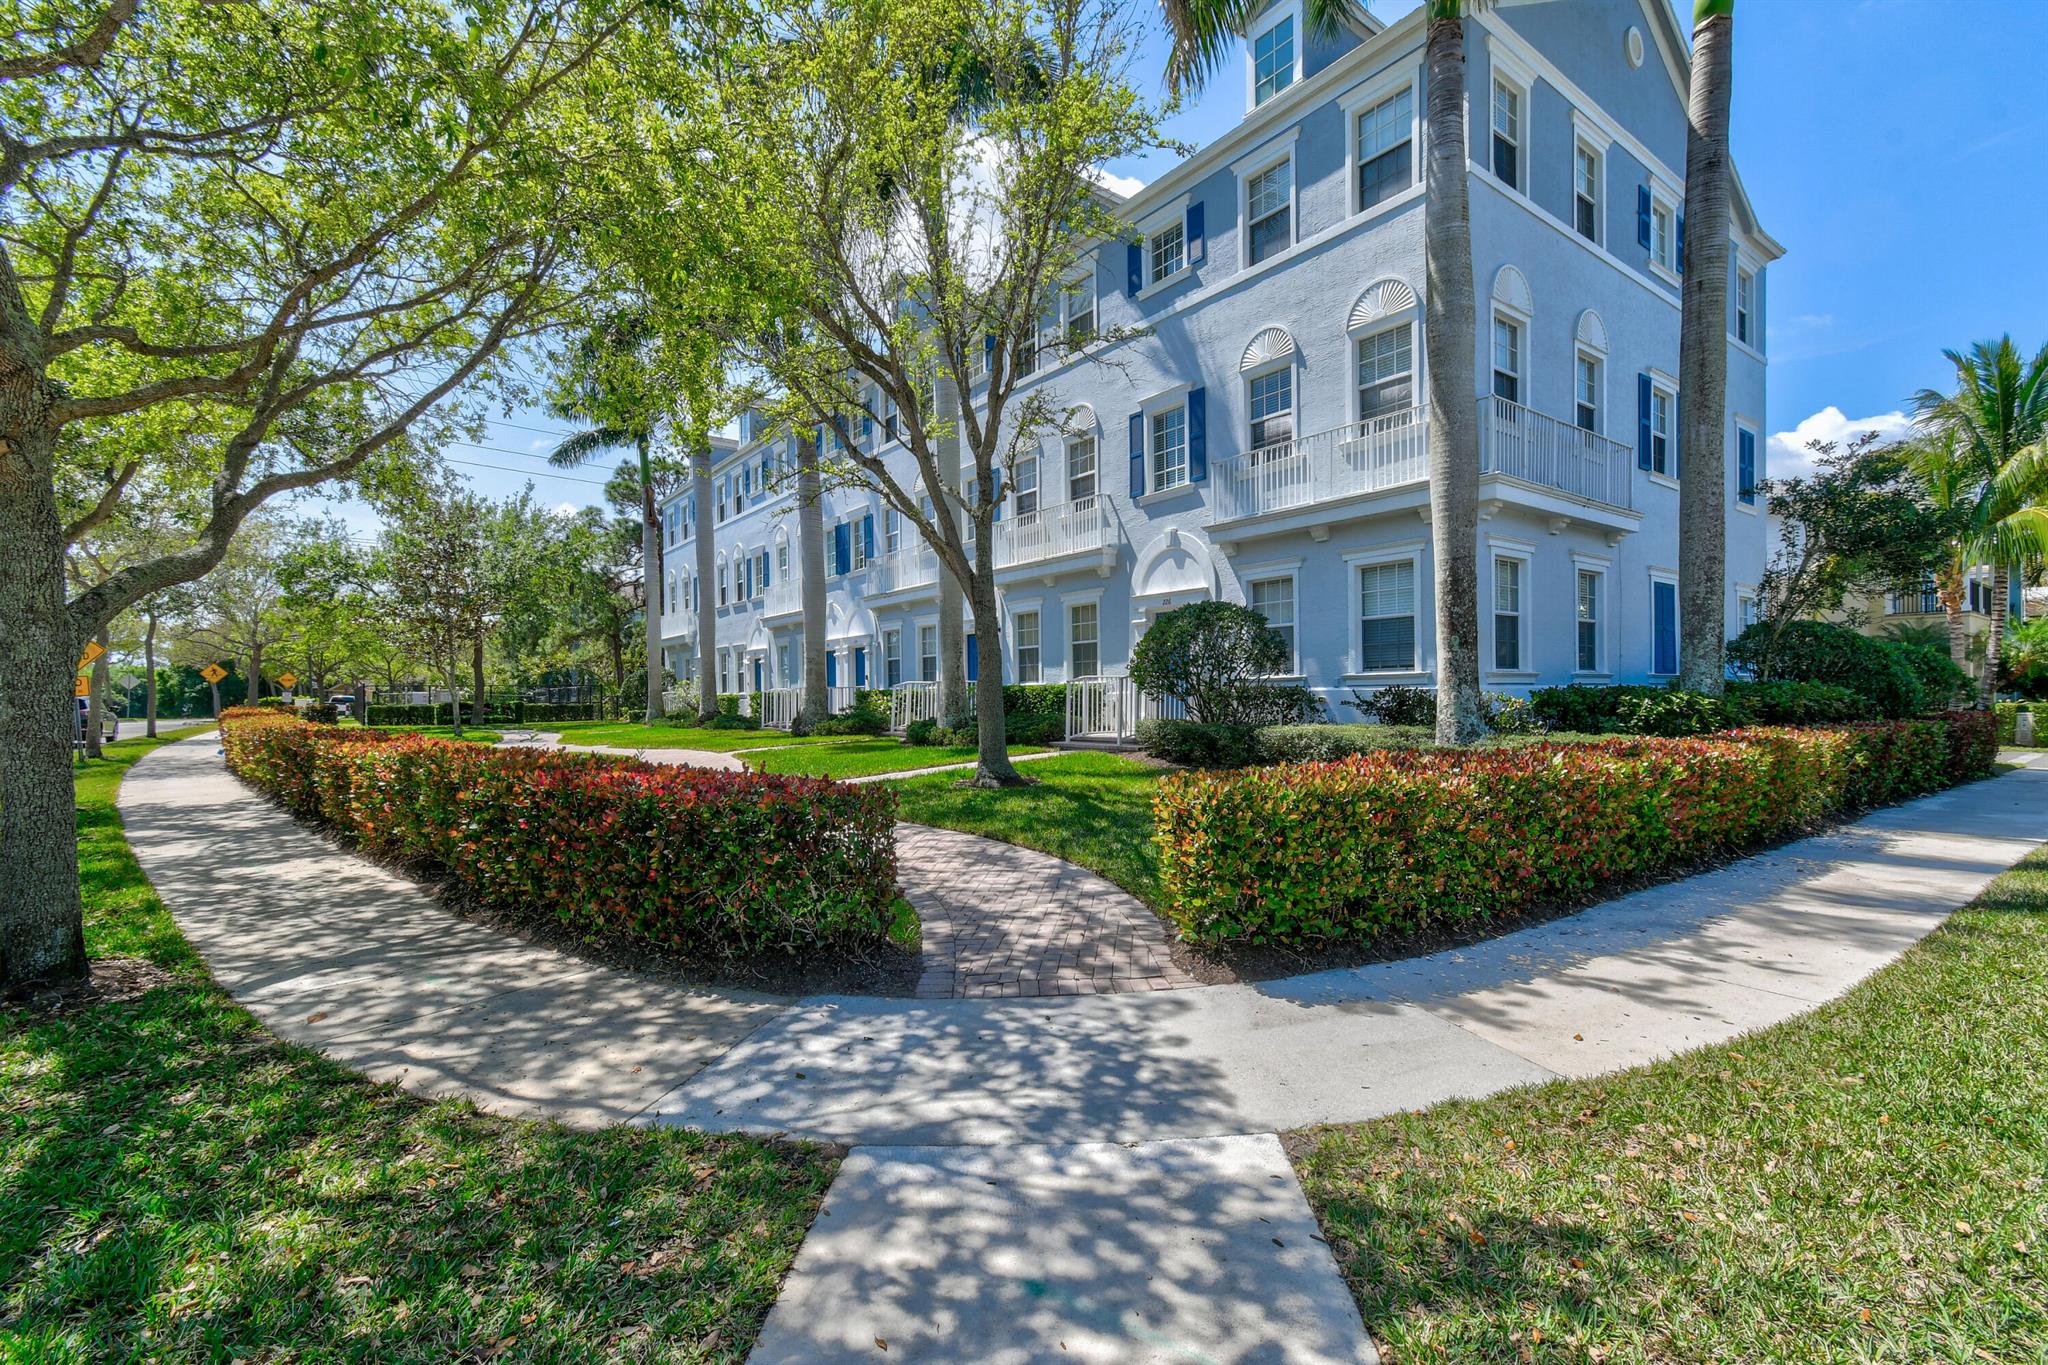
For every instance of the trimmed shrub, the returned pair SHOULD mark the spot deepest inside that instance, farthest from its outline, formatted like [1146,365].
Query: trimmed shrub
[274,703]
[1327,743]
[1215,658]
[687,858]
[1821,651]
[1506,714]
[866,718]
[1397,705]
[1671,714]
[1795,703]
[1939,680]
[1038,710]
[922,732]
[1393,842]
[321,713]
[1199,744]
[2008,714]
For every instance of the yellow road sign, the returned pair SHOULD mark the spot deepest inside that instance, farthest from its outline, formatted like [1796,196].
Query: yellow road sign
[287,681]
[83,688]
[93,650]
[213,673]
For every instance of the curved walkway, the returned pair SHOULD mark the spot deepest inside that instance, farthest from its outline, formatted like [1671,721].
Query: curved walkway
[998,920]
[1129,1203]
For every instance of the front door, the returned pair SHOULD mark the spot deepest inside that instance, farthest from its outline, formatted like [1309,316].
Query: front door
[860,666]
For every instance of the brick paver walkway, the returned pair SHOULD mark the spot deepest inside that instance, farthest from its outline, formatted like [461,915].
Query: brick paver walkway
[1006,921]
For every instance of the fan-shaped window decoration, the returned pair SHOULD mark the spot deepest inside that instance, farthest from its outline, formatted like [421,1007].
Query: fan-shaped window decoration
[1381,299]
[1273,344]
[1592,332]
[1511,291]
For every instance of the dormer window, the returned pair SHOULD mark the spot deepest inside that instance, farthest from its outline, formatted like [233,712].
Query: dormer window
[1273,60]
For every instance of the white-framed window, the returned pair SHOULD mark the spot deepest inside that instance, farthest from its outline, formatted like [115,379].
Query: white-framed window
[668,599]
[1169,446]
[1271,398]
[1386,148]
[1084,640]
[1664,234]
[857,543]
[1077,305]
[1745,611]
[1507,358]
[1507,132]
[1386,371]
[724,670]
[1663,625]
[1386,617]
[1081,470]
[719,506]
[1272,60]
[1663,416]
[928,653]
[892,530]
[1510,573]
[1586,190]
[1168,251]
[892,657]
[1269,211]
[1024,631]
[1024,487]
[1589,609]
[1586,390]
[724,584]
[1273,598]
[1745,306]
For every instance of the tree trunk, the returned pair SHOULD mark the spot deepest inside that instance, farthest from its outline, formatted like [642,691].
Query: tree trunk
[1450,337]
[96,705]
[454,678]
[650,568]
[476,671]
[1994,647]
[992,767]
[149,680]
[707,567]
[810,520]
[42,931]
[1703,367]
[1958,640]
[252,688]
[953,708]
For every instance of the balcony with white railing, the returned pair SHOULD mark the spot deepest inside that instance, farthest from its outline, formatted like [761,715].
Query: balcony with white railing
[785,597]
[680,624]
[1086,532]
[1554,455]
[1349,462]
[902,571]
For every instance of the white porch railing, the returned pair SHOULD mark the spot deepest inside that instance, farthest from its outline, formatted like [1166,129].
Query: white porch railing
[784,596]
[1364,457]
[1536,448]
[779,707]
[1053,532]
[840,699]
[902,570]
[1110,709]
[679,624]
[912,701]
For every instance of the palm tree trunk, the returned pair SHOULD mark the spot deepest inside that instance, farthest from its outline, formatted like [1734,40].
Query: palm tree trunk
[1950,591]
[707,566]
[953,710]
[650,567]
[810,512]
[1994,647]
[1450,337]
[149,681]
[1703,361]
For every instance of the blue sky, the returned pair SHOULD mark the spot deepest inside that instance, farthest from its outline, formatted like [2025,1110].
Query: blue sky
[1884,143]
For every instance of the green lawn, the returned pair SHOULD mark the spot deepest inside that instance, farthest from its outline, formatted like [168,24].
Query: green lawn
[1866,1183]
[631,735]
[865,757]
[1091,809]
[469,732]
[176,1184]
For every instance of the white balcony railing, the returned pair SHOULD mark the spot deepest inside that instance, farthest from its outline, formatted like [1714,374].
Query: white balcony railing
[779,707]
[679,624]
[785,596]
[1084,527]
[1110,709]
[912,701]
[1364,457]
[902,570]
[1535,448]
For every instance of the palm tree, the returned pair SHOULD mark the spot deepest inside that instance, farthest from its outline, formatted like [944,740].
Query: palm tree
[1983,460]
[1999,518]
[1703,357]
[1202,31]
[603,388]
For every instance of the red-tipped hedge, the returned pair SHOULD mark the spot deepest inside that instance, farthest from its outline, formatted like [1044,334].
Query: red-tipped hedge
[1392,842]
[683,857]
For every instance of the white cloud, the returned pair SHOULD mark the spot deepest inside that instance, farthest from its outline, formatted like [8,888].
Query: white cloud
[1788,456]
[1125,185]
[567,509]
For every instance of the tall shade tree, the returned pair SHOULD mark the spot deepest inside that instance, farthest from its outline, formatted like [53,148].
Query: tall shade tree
[1202,31]
[1703,356]
[1981,460]
[303,227]
[872,241]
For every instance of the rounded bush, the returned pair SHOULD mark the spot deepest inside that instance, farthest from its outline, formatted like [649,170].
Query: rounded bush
[1823,652]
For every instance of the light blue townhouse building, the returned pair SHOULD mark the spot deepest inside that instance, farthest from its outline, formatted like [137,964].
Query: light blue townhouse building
[1265,440]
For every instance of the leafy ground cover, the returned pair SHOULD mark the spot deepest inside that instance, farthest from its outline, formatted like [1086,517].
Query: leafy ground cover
[866,757]
[177,1184]
[1863,1183]
[1094,809]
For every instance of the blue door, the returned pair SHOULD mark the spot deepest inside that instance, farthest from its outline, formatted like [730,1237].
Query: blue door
[757,675]
[860,666]
[831,668]
[973,660]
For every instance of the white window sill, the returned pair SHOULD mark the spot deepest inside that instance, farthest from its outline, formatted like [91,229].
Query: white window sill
[1165,494]
[1596,676]
[1753,352]
[1510,675]
[1663,272]
[1386,676]
[1746,508]
[1160,286]
[1663,480]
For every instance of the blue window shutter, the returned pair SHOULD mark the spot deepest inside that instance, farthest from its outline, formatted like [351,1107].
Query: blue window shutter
[1193,235]
[1643,215]
[867,535]
[996,482]
[831,668]
[766,560]
[1745,466]
[867,426]
[789,449]
[973,658]
[842,548]
[860,666]
[1642,421]
[1198,435]
[1134,260]
[1664,628]
[1681,244]
[988,351]
[1137,455]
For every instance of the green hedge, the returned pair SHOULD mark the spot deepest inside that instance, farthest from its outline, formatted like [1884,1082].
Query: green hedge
[686,858]
[1394,842]
[2008,713]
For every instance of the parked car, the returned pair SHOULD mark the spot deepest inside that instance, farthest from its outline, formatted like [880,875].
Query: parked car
[344,703]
